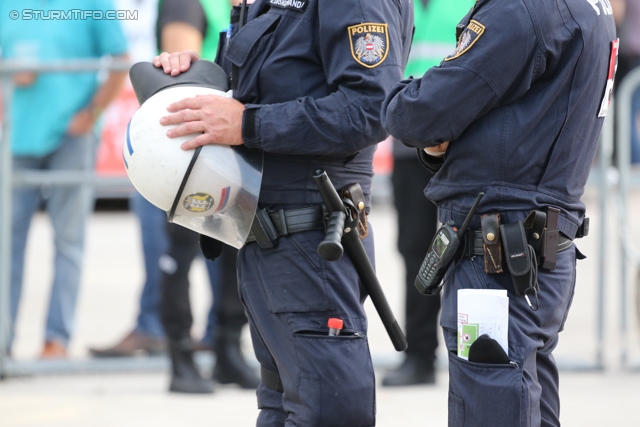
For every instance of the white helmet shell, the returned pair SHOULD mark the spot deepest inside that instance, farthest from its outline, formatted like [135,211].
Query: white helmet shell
[212,190]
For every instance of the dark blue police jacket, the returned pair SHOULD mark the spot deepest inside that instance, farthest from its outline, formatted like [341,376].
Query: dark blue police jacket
[313,74]
[521,99]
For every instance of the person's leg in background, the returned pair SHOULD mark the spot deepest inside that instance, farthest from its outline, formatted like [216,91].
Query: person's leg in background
[208,339]
[231,366]
[69,207]
[417,224]
[155,242]
[176,310]
[148,336]
[25,202]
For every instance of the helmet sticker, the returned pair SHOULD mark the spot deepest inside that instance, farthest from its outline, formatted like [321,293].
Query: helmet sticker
[369,43]
[224,198]
[467,38]
[199,202]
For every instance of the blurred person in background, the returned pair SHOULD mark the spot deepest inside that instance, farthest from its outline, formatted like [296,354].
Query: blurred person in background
[196,25]
[147,337]
[170,249]
[53,118]
[434,39]
[627,16]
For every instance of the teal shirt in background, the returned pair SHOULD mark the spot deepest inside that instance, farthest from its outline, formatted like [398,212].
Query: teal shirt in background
[42,111]
[435,34]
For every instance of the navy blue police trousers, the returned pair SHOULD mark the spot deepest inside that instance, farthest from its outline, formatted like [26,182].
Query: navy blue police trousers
[290,292]
[523,393]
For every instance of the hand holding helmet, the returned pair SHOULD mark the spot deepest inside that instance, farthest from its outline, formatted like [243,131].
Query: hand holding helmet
[219,119]
[212,190]
[177,62]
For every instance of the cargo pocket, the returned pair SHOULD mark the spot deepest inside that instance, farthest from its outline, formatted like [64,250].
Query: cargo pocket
[337,382]
[484,395]
[295,281]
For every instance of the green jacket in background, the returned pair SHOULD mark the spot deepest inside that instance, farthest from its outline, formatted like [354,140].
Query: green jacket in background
[435,35]
[433,40]
[218,14]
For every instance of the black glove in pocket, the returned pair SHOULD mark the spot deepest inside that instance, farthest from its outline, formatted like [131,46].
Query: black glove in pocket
[487,350]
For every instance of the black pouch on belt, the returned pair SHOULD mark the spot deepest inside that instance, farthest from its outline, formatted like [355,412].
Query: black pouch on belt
[517,255]
[358,212]
[491,243]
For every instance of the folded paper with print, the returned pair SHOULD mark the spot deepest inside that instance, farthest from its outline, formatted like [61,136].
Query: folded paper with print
[482,311]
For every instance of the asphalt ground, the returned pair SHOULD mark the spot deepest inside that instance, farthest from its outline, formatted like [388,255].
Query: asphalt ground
[599,374]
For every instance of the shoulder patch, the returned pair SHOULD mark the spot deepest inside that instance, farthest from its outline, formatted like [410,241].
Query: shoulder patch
[369,43]
[468,38]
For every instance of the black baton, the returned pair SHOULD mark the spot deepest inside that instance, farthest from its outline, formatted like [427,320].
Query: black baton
[331,249]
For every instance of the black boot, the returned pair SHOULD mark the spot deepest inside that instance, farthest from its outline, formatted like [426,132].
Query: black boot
[231,366]
[185,377]
[413,371]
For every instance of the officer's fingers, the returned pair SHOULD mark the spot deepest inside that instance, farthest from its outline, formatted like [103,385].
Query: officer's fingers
[188,103]
[204,139]
[443,147]
[162,60]
[181,116]
[187,128]
[438,150]
[174,63]
[186,58]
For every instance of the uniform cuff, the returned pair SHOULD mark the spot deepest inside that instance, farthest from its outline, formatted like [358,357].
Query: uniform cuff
[430,162]
[250,126]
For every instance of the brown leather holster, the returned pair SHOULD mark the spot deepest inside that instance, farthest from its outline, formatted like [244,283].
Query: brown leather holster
[357,208]
[491,243]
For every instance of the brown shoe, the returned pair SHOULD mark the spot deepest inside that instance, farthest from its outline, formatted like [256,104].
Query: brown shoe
[53,350]
[133,344]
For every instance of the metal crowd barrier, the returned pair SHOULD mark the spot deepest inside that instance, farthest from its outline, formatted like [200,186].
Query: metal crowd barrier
[7,178]
[629,179]
[600,179]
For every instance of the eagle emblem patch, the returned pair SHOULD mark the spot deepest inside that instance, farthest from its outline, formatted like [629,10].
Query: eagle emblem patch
[468,38]
[369,43]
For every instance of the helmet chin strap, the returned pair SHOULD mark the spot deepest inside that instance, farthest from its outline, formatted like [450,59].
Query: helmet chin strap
[174,206]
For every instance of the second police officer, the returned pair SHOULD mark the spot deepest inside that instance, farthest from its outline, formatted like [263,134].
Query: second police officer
[515,112]
[309,79]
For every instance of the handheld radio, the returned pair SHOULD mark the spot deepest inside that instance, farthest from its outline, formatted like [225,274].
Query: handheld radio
[443,248]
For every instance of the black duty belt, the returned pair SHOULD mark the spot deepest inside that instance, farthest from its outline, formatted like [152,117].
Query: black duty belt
[269,225]
[473,243]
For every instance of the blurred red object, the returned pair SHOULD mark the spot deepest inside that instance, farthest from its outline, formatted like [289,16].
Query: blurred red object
[383,158]
[114,127]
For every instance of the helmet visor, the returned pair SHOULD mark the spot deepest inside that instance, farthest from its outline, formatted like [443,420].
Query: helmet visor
[219,196]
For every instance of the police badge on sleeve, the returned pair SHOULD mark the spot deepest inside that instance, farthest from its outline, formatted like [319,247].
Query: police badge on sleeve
[467,39]
[369,43]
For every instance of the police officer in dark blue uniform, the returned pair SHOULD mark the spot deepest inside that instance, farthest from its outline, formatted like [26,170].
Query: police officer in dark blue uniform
[309,77]
[515,112]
